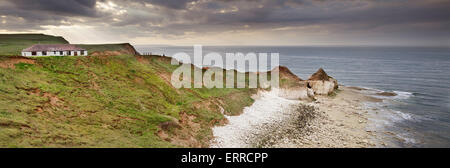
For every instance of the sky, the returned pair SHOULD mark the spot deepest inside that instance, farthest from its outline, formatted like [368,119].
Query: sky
[234,22]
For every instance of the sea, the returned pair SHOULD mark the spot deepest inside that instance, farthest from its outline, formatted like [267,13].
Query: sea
[419,114]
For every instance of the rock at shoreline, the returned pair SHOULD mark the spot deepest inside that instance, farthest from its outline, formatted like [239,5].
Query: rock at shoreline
[386,94]
[321,83]
[356,88]
[294,88]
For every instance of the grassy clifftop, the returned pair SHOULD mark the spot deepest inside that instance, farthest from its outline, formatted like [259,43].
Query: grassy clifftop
[112,98]
[109,49]
[12,44]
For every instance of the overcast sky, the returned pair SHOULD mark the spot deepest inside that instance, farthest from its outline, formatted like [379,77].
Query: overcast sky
[234,22]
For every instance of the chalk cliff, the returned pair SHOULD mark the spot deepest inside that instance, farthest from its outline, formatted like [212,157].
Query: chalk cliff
[321,83]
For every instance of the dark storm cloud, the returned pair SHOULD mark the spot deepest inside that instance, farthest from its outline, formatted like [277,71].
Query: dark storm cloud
[175,17]
[65,7]
[32,14]
[323,11]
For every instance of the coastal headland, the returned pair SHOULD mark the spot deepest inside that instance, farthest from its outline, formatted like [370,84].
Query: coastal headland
[115,97]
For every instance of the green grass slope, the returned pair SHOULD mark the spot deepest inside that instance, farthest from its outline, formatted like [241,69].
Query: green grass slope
[13,44]
[117,101]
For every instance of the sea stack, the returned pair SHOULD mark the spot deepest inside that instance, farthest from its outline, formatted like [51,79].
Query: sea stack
[293,87]
[321,83]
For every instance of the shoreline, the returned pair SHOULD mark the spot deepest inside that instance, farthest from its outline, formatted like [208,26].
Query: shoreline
[337,121]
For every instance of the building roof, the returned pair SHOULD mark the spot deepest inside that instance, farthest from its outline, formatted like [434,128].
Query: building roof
[52,47]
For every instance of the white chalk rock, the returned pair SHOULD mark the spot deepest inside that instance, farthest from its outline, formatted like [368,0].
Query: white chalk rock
[321,83]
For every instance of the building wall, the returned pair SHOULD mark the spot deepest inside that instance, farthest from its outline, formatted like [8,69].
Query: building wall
[26,54]
[57,53]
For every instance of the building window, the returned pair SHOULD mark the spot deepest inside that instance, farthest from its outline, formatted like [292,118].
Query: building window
[61,53]
[44,52]
[33,53]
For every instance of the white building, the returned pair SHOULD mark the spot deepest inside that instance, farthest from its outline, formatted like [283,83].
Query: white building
[54,50]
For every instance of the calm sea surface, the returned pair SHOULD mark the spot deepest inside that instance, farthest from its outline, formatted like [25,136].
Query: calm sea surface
[419,116]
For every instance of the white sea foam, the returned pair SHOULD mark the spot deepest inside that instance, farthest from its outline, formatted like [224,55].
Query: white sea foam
[401,116]
[407,138]
[384,118]
[402,95]
[390,114]
[373,90]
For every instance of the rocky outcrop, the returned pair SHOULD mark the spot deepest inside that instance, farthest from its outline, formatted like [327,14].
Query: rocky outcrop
[321,83]
[291,86]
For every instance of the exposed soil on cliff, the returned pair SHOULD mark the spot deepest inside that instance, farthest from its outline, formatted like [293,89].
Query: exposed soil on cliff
[11,61]
[181,132]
